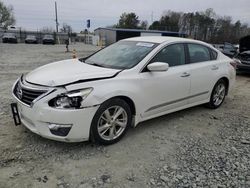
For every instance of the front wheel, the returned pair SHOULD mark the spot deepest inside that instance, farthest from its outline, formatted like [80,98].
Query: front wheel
[111,122]
[218,94]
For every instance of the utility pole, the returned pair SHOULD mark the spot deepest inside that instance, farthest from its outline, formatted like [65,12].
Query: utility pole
[56,17]
[152,17]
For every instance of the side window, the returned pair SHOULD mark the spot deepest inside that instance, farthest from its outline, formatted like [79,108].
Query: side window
[198,53]
[173,55]
[214,55]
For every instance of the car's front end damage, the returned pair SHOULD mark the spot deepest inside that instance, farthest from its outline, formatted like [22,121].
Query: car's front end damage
[244,61]
[53,120]
[56,100]
[243,57]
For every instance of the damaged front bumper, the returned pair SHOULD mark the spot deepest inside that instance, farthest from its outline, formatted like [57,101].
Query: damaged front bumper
[54,123]
[57,124]
[67,125]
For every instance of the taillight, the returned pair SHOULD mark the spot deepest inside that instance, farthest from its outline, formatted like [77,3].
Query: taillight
[234,64]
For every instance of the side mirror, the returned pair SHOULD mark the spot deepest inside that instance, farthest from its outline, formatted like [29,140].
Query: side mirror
[158,67]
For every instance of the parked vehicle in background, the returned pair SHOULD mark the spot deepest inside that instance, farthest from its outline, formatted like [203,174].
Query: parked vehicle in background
[48,39]
[237,47]
[9,38]
[243,56]
[218,46]
[221,47]
[133,80]
[229,50]
[14,28]
[31,39]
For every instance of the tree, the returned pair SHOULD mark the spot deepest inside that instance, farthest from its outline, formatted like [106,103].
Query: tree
[204,25]
[128,21]
[168,22]
[6,16]
[155,25]
[66,28]
[144,24]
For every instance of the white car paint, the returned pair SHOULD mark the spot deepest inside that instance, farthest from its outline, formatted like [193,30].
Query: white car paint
[153,93]
[67,71]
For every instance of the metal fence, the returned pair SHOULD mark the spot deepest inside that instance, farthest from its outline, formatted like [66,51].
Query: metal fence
[22,34]
[60,38]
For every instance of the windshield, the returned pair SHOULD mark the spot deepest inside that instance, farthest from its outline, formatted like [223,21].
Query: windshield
[121,55]
[48,36]
[9,34]
[31,37]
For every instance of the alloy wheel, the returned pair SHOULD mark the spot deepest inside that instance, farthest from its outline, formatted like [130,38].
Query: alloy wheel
[219,94]
[112,123]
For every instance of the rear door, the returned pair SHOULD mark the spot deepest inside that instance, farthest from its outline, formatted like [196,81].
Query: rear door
[203,71]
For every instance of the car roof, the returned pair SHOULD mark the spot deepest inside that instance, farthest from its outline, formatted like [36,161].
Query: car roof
[160,39]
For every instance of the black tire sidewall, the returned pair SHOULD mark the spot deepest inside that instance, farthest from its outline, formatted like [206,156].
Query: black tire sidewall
[94,135]
[211,102]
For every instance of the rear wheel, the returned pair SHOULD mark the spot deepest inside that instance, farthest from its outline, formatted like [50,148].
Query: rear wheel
[111,122]
[218,94]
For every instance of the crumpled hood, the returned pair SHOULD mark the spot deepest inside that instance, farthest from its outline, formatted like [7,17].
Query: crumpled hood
[66,72]
[246,53]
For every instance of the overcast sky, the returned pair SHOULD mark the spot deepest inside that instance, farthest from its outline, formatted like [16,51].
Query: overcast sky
[32,14]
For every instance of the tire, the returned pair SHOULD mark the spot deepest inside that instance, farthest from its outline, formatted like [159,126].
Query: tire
[105,129]
[218,94]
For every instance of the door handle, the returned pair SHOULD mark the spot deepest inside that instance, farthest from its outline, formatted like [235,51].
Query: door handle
[185,74]
[214,67]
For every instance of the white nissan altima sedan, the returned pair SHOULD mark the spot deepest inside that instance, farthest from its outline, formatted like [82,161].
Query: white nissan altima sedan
[99,97]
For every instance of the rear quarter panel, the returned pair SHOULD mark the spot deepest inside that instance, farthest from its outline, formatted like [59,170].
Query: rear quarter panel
[226,70]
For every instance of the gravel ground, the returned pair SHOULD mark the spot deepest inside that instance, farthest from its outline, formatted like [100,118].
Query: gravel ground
[197,147]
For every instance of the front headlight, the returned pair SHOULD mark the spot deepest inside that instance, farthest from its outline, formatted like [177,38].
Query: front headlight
[72,99]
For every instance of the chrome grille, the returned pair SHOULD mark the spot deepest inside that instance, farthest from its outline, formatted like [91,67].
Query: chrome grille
[26,94]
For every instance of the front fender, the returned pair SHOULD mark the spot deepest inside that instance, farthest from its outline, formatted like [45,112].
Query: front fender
[106,89]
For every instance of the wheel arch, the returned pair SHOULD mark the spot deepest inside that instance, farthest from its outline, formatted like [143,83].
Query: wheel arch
[128,100]
[226,80]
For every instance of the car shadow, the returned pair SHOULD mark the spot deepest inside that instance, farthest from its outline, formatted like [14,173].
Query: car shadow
[162,121]
[243,74]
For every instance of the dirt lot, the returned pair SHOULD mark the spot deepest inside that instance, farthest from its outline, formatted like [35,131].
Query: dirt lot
[197,147]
